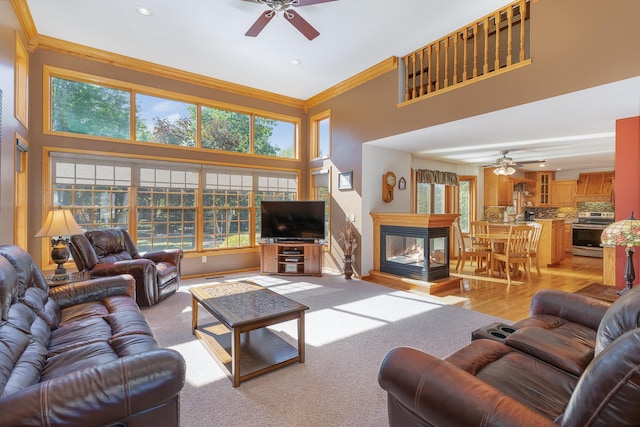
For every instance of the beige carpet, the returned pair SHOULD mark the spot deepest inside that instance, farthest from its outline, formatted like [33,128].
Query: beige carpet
[350,326]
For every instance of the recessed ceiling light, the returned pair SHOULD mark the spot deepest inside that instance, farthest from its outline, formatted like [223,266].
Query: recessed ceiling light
[295,61]
[143,11]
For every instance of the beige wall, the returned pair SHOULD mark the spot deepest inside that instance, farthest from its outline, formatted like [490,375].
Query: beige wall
[575,44]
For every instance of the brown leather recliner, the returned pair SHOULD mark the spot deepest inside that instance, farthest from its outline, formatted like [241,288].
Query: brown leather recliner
[574,362]
[110,251]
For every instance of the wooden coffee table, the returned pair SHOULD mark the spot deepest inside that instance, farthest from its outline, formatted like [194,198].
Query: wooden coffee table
[240,341]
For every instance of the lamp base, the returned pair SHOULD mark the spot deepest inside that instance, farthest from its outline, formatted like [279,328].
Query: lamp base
[58,277]
[629,272]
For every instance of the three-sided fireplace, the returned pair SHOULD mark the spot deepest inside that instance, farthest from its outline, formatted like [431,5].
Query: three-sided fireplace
[411,251]
[403,249]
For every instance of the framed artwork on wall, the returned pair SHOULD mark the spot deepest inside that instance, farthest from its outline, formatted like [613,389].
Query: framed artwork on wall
[345,181]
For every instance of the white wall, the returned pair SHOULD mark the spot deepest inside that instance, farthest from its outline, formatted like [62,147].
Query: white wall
[375,162]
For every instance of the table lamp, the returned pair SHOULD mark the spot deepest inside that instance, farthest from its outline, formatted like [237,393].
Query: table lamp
[59,222]
[624,233]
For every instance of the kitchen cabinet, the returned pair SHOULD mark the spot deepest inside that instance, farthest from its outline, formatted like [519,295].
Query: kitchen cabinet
[498,189]
[568,238]
[541,190]
[551,245]
[563,193]
[595,187]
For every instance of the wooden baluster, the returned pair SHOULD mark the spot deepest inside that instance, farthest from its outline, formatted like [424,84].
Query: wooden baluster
[429,69]
[485,69]
[496,20]
[422,72]
[407,87]
[475,50]
[455,59]
[438,65]
[446,63]
[509,34]
[465,65]
[415,76]
[523,15]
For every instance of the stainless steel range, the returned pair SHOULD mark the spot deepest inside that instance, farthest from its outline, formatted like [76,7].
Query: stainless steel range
[587,231]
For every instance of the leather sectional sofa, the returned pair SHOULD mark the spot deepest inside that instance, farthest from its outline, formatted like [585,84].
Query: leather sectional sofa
[80,354]
[574,362]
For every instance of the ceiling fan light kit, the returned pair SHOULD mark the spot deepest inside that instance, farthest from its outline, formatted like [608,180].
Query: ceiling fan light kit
[505,165]
[277,6]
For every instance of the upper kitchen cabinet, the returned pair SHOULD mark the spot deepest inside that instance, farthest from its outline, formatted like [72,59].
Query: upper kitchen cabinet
[595,187]
[563,193]
[498,189]
[541,190]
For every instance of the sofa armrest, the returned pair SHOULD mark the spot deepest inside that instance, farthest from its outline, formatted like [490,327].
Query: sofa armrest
[569,355]
[171,256]
[101,395]
[443,395]
[573,307]
[93,290]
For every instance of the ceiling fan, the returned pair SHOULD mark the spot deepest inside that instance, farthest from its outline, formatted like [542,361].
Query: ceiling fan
[505,165]
[277,6]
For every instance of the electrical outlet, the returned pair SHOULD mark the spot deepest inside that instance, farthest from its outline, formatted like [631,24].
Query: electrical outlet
[204,258]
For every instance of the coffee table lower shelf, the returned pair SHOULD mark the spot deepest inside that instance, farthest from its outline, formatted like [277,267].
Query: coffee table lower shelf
[261,350]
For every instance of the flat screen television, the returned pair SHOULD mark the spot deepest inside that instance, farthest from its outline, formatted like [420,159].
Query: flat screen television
[292,220]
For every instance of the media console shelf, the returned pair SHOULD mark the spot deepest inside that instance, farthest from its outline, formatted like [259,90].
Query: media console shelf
[291,258]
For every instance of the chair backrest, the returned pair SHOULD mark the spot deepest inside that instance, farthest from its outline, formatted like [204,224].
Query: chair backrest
[535,237]
[102,246]
[479,227]
[519,239]
[458,234]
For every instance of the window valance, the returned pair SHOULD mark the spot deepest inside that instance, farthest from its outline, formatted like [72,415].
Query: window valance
[426,176]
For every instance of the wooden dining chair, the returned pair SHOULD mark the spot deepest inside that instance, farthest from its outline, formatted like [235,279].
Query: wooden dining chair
[516,251]
[477,228]
[482,255]
[533,246]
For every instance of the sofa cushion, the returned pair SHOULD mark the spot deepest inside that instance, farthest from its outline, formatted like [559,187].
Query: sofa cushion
[536,384]
[577,332]
[79,358]
[23,348]
[166,272]
[46,308]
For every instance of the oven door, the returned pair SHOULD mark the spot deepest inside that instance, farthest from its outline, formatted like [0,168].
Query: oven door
[586,240]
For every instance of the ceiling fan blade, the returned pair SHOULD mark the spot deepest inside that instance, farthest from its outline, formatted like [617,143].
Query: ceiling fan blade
[303,26]
[308,2]
[260,23]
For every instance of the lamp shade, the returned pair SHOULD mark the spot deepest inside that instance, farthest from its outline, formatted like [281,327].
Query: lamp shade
[622,233]
[59,222]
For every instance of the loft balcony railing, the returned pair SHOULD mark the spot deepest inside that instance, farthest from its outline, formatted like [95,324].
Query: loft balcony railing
[495,43]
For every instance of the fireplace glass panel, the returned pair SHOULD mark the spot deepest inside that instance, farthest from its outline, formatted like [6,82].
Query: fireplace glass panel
[438,253]
[405,250]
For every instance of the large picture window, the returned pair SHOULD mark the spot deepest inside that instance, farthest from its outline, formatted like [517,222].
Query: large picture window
[165,121]
[89,109]
[86,105]
[159,201]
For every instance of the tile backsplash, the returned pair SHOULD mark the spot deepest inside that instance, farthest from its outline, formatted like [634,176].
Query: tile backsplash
[495,213]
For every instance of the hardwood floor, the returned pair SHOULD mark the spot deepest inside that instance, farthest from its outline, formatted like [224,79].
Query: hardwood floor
[512,302]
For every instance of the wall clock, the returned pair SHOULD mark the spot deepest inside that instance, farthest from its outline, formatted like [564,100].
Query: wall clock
[388,184]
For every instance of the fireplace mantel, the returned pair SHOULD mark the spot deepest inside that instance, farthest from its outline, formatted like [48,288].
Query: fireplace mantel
[408,220]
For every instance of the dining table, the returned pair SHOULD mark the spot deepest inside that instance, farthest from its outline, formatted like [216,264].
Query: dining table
[496,241]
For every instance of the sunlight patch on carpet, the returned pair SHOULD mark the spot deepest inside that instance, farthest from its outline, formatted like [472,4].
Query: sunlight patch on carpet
[202,369]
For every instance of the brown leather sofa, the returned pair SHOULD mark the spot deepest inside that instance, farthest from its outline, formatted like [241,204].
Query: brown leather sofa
[80,354]
[110,251]
[574,362]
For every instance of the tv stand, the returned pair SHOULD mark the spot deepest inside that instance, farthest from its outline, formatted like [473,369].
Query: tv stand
[291,258]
